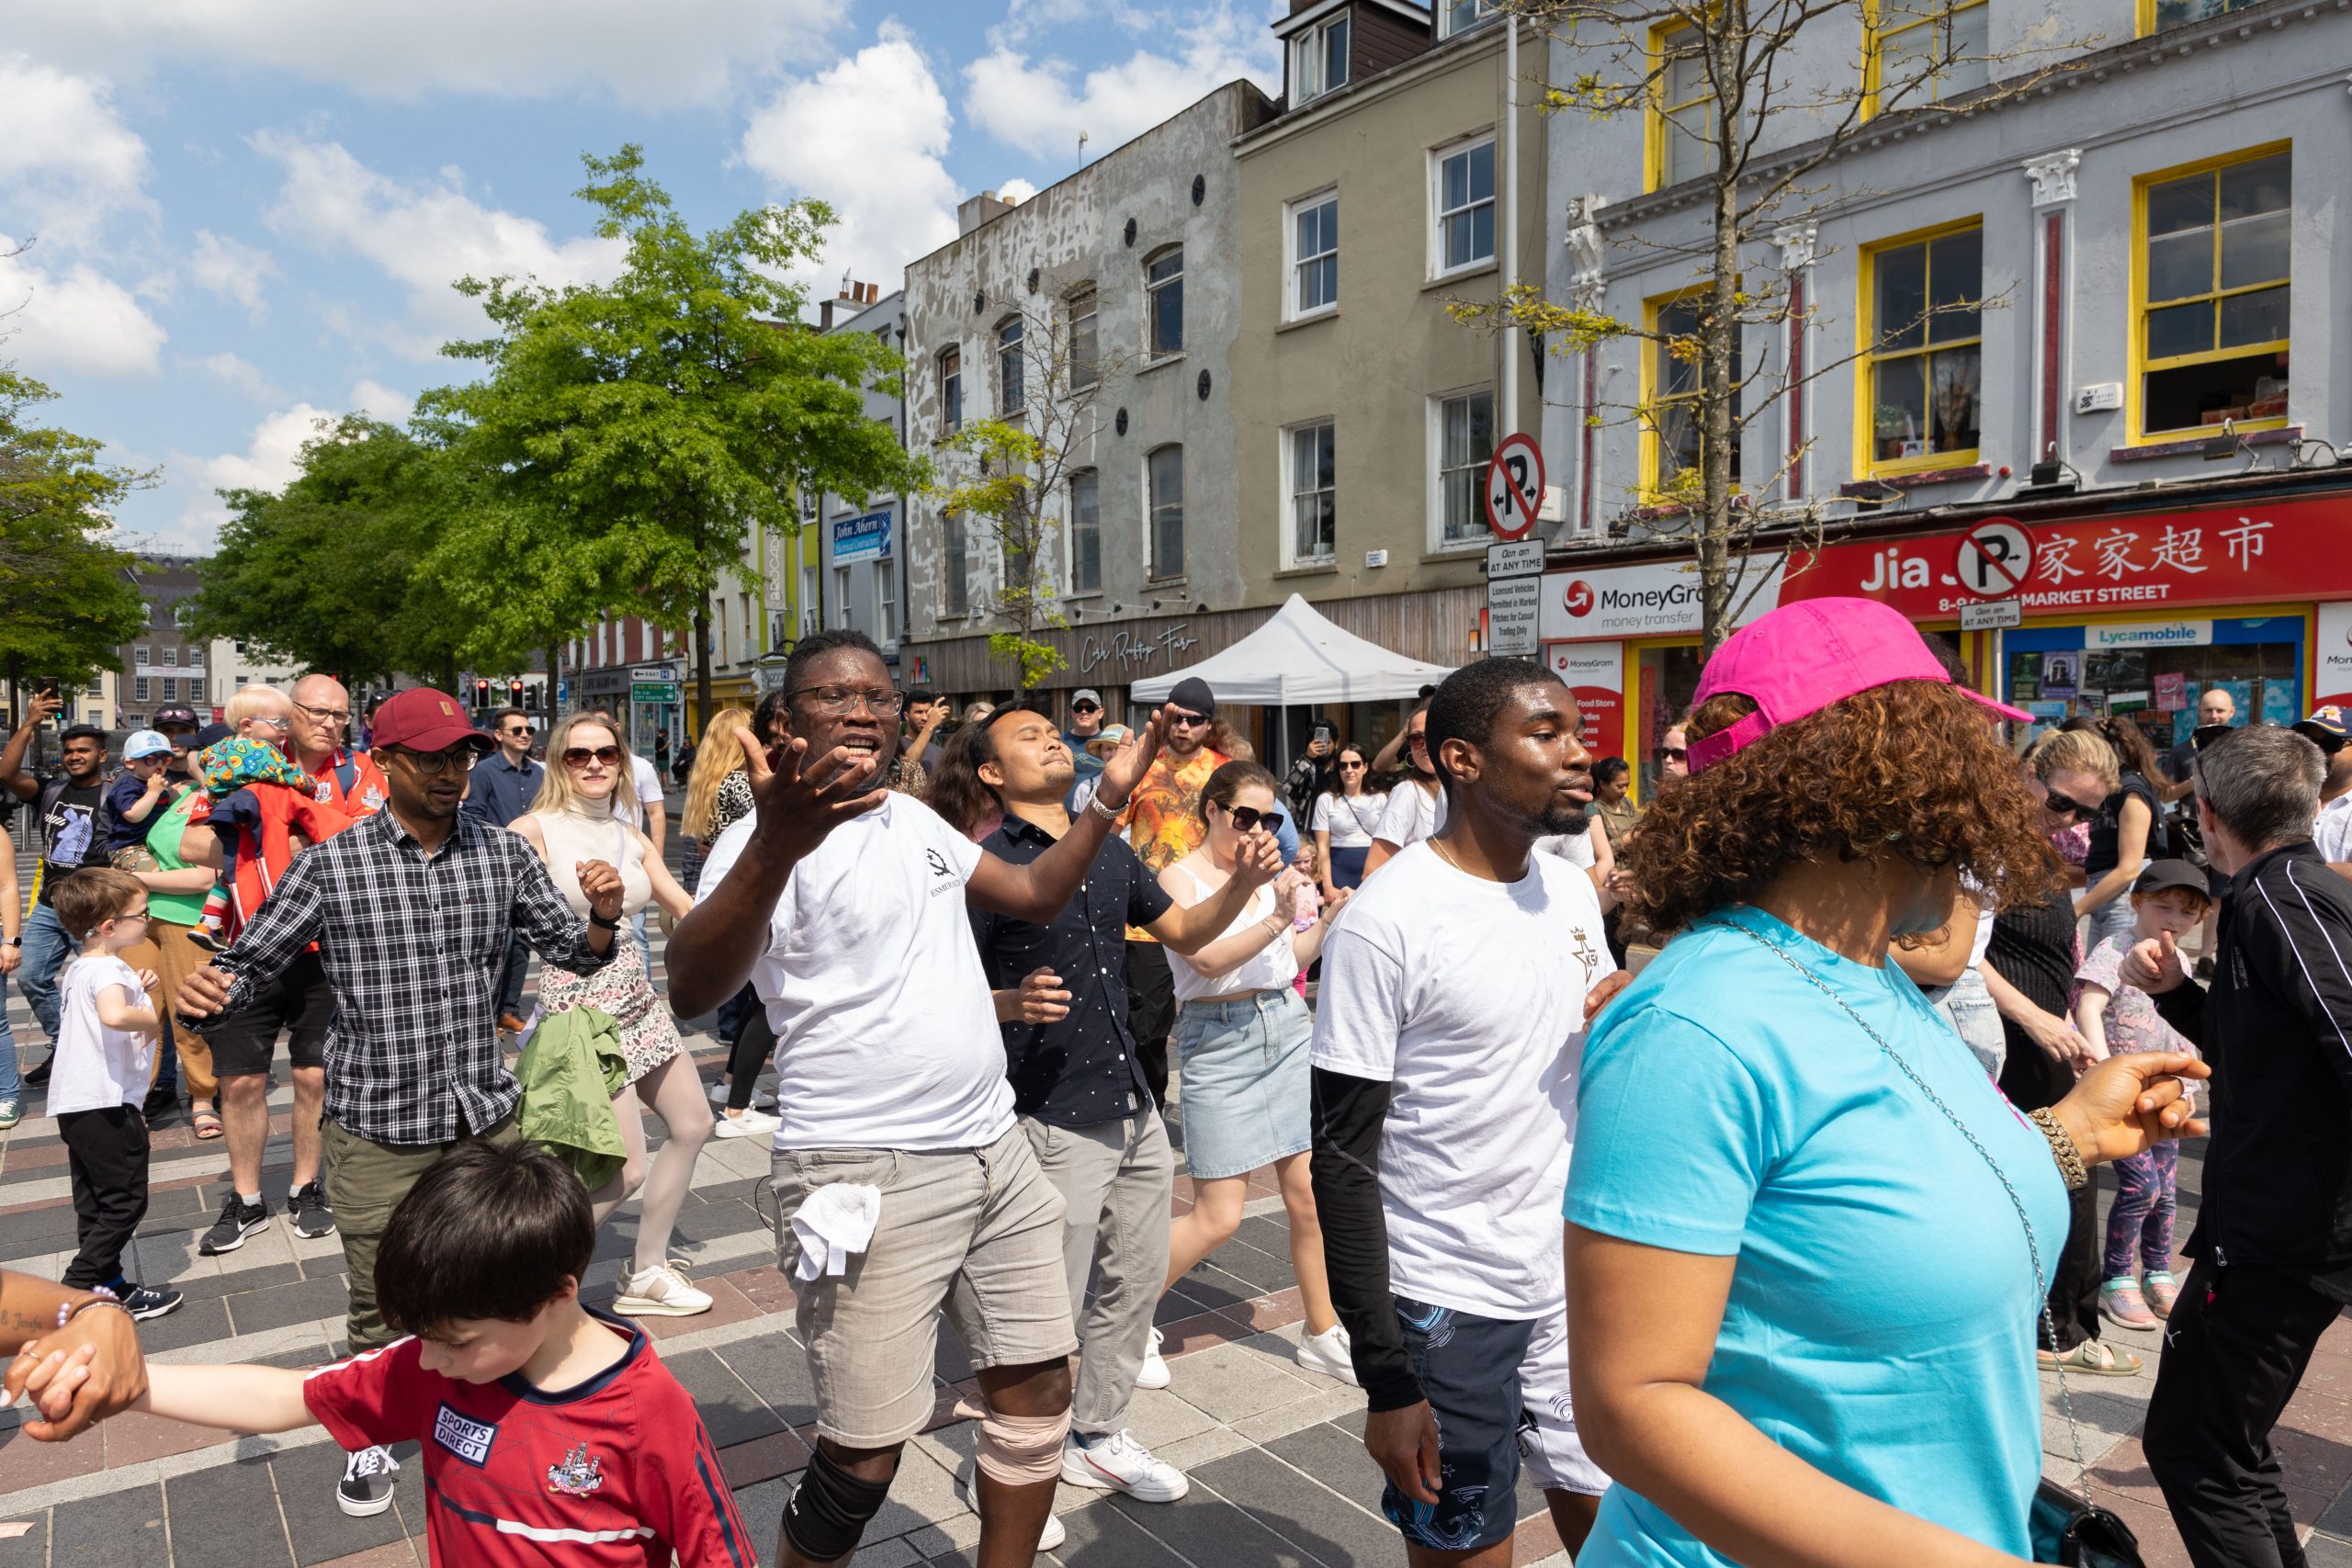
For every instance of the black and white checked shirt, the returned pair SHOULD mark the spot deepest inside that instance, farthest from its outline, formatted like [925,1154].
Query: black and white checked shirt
[412,944]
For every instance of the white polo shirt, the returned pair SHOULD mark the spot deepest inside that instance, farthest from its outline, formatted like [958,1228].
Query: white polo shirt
[886,1036]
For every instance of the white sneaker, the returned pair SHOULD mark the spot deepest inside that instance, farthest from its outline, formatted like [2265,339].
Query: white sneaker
[718,1092]
[660,1291]
[965,1493]
[1119,1463]
[1327,1353]
[750,1124]
[1155,1369]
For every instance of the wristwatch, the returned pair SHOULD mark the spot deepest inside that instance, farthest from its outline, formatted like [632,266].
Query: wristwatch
[1104,809]
[596,919]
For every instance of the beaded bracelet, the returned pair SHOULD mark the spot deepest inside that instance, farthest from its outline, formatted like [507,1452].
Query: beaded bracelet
[99,1296]
[2063,1148]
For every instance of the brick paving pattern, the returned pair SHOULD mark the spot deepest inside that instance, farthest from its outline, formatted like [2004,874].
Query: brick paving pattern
[1279,1478]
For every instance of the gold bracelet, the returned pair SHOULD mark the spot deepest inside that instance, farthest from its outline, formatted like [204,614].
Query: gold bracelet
[2062,1148]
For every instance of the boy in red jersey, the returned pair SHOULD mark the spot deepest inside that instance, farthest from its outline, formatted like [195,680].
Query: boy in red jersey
[552,1433]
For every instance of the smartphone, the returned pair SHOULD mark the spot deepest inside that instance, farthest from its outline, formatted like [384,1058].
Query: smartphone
[47,688]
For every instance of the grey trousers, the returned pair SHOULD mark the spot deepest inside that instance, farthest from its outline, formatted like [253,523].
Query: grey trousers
[1116,1179]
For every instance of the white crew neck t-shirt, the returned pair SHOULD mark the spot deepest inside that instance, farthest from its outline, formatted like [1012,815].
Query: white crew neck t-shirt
[885,1037]
[97,1068]
[1349,818]
[1412,814]
[1468,997]
[646,779]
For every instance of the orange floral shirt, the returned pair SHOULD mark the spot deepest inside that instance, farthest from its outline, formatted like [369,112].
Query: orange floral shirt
[1163,816]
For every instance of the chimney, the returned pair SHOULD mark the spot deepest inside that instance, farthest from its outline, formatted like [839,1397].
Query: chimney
[977,210]
[825,316]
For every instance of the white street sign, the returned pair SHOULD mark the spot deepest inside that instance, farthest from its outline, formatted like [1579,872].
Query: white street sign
[1520,557]
[1514,604]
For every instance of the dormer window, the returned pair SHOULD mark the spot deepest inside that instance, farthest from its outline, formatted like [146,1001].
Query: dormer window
[1457,16]
[1319,60]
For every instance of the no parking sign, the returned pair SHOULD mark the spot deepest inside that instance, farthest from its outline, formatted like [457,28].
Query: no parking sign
[1994,558]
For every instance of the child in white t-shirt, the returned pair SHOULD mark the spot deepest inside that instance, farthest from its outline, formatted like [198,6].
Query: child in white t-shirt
[107,1026]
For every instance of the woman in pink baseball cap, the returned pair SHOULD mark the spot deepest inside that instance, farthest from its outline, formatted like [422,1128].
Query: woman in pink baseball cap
[1807,1236]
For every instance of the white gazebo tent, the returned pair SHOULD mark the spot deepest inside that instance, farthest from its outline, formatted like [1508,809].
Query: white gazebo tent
[1298,658]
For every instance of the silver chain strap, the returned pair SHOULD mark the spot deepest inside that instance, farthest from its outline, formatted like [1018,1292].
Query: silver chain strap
[2033,1248]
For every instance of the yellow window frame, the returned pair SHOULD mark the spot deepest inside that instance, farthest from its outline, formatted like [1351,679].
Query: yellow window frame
[2147,15]
[2138,363]
[1653,488]
[1868,357]
[1654,121]
[1874,39]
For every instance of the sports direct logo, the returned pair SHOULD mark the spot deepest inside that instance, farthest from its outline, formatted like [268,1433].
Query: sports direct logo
[1576,598]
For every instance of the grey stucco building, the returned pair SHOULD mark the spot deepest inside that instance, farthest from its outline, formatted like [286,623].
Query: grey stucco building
[861,580]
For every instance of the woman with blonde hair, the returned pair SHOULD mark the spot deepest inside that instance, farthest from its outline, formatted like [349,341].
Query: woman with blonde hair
[586,811]
[718,790]
[2093,771]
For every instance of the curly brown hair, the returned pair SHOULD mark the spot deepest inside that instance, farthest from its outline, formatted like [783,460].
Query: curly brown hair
[1906,771]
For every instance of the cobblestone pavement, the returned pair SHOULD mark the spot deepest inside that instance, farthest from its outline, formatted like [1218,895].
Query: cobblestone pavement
[1279,1477]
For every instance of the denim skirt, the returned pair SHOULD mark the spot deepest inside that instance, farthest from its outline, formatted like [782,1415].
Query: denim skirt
[1245,1082]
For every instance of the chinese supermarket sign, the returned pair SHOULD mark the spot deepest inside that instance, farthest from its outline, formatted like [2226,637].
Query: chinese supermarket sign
[2294,550]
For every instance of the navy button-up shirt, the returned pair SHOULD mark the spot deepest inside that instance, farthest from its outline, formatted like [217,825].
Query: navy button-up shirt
[498,792]
[1080,1071]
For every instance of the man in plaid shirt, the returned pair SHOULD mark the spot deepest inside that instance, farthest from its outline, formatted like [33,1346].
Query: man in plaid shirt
[412,909]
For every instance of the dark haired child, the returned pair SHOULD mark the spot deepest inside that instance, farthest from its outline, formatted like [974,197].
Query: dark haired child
[552,1433]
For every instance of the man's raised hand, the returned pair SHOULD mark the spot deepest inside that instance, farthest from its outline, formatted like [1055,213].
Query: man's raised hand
[799,799]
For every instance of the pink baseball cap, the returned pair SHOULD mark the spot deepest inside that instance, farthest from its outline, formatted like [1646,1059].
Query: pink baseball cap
[1803,657]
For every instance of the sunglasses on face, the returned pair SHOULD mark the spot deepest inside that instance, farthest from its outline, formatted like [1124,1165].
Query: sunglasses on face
[581,756]
[1084,707]
[1248,817]
[1419,738]
[1673,754]
[2066,805]
[1188,720]
[1349,767]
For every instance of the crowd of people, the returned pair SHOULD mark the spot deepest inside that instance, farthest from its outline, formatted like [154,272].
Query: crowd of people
[1696,1249]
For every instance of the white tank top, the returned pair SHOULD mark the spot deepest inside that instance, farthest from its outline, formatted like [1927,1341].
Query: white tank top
[1270,969]
[588,830]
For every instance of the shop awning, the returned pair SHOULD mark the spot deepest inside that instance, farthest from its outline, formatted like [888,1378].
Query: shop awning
[1298,659]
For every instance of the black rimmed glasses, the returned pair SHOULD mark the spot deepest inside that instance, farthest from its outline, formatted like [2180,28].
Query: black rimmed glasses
[432,764]
[838,702]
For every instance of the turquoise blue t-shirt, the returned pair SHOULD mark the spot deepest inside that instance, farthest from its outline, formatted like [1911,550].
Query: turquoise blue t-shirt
[1881,1322]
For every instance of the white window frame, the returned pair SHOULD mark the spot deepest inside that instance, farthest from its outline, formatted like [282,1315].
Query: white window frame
[1070,533]
[1435,499]
[1442,15]
[1151,520]
[812,600]
[1309,52]
[194,656]
[142,657]
[1290,493]
[885,603]
[139,689]
[1439,212]
[1293,261]
[1151,288]
[840,596]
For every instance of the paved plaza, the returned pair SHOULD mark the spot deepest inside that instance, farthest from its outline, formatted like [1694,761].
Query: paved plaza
[1279,1478]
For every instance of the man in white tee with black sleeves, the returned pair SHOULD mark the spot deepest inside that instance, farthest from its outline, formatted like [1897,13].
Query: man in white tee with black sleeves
[904,1188]
[1448,1034]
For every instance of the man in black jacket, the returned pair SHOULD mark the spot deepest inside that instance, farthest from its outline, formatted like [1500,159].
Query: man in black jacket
[2273,1242]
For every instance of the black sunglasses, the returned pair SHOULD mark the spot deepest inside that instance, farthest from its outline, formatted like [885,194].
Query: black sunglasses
[1674,753]
[1086,707]
[1189,720]
[2067,806]
[1247,818]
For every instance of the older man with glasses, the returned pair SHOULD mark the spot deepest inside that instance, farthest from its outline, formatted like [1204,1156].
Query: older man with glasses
[410,912]
[504,784]
[347,780]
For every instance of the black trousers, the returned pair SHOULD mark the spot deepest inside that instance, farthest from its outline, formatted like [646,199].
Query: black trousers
[2235,1347]
[755,1043]
[1151,1012]
[2035,1082]
[106,1153]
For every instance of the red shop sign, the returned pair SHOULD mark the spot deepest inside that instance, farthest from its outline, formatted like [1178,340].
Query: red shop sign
[2220,556]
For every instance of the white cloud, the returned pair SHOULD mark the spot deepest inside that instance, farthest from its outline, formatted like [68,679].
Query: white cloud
[231,268]
[377,401]
[423,235]
[1015,191]
[691,52]
[868,136]
[67,162]
[272,456]
[238,372]
[1041,105]
[73,318]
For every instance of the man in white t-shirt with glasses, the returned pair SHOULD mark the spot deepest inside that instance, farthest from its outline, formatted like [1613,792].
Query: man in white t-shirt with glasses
[1448,1031]
[904,1187]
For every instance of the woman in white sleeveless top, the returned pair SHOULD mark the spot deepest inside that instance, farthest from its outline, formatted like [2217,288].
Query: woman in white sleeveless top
[1242,1039]
[586,809]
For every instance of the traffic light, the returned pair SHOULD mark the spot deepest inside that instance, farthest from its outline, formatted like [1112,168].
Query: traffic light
[482,693]
[514,693]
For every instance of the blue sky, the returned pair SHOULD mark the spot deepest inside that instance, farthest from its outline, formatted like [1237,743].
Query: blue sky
[244,214]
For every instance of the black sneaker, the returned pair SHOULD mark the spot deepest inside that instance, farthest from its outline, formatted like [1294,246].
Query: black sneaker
[161,1102]
[39,1075]
[144,1302]
[367,1485]
[237,1221]
[307,1204]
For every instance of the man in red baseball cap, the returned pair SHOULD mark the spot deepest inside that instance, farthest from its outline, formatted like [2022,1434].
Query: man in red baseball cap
[412,911]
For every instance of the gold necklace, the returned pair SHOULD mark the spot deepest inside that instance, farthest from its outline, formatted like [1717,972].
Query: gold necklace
[1447,855]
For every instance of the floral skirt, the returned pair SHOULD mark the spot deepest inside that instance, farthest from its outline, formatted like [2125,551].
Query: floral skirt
[622,989]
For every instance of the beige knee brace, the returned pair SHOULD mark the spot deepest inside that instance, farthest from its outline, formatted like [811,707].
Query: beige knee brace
[1018,1451]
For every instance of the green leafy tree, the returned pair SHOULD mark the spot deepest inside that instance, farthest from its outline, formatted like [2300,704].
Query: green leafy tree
[633,432]
[330,572]
[68,598]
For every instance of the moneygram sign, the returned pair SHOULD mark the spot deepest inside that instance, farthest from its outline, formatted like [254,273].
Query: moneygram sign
[1659,600]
